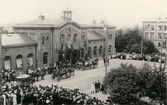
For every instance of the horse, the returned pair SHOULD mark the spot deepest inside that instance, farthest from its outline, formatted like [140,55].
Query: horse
[39,73]
[95,63]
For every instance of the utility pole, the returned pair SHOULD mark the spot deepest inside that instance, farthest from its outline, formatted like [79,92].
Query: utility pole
[106,51]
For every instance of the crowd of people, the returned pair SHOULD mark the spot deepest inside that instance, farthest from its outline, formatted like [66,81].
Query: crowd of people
[44,95]
[14,93]
[97,87]
[7,75]
[160,58]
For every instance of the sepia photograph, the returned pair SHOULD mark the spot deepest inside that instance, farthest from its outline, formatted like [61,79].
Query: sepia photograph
[83,52]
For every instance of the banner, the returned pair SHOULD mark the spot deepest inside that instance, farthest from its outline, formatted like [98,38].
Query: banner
[19,63]
[30,61]
[7,64]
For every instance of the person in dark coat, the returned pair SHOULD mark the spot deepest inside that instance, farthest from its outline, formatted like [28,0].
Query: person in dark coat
[18,97]
[102,88]
[98,86]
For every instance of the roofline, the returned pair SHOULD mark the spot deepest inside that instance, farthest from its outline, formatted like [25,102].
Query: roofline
[19,45]
[59,25]
[97,27]
[68,22]
[96,39]
[155,21]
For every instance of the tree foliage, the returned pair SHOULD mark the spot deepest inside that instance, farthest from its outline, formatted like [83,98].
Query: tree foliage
[125,42]
[128,84]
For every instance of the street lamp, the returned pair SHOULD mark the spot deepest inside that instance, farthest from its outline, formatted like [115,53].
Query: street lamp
[106,50]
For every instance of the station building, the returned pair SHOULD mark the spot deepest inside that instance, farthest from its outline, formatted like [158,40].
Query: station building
[42,42]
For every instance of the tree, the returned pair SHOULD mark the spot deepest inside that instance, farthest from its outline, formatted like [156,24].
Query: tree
[149,48]
[126,41]
[135,48]
[128,84]
[122,84]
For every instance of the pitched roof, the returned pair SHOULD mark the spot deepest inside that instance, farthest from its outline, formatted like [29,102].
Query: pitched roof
[97,25]
[41,23]
[16,40]
[159,17]
[92,35]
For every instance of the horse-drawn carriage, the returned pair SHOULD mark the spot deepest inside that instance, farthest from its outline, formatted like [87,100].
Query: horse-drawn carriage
[25,80]
[86,64]
[64,71]
[37,73]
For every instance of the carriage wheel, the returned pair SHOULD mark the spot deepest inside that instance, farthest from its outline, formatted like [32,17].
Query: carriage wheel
[52,77]
[59,78]
[69,75]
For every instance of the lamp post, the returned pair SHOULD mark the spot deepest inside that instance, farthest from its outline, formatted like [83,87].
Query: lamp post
[106,51]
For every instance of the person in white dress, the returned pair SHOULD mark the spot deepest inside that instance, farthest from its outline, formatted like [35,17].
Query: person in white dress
[92,88]
[14,98]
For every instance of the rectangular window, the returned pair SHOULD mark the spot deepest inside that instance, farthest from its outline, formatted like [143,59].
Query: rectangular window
[159,27]
[165,27]
[152,35]
[146,27]
[164,37]
[152,27]
[159,36]
[146,35]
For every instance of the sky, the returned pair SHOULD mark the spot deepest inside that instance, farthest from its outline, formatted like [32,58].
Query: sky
[120,13]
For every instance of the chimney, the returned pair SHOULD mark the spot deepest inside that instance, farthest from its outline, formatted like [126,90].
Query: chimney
[102,21]
[94,21]
[41,17]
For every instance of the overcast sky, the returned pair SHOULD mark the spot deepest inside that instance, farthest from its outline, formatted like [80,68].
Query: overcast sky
[120,13]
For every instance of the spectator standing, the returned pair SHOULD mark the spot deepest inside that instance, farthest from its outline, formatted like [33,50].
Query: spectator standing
[92,88]
[102,88]
[98,86]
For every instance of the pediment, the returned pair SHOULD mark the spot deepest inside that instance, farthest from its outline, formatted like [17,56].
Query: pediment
[69,29]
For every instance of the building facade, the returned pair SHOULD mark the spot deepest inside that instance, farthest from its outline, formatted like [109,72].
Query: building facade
[155,29]
[18,52]
[52,38]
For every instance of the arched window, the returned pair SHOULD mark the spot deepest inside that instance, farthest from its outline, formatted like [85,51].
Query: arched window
[82,38]
[100,50]
[109,48]
[47,40]
[19,61]
[75,38]
[43,40]
[30,60]
[94,51]
[68,37]
[7,63]
[45,58]
[89,51]
[61,37]
[159,44]
[82,53]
